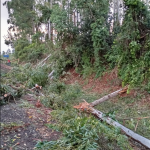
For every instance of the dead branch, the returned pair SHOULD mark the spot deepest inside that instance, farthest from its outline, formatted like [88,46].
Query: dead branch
[137,124]
[51,74]
[16,88]
[44,60]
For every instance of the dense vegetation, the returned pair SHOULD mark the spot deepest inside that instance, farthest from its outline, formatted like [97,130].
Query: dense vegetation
[89,44]
[86,43]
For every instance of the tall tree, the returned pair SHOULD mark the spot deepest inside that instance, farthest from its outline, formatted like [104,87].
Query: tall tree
[21,16]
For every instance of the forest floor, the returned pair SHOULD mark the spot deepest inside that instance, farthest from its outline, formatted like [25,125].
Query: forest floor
[23,122]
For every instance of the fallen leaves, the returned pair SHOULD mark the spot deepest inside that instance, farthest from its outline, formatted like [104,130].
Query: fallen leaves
[13,128]
[11,148]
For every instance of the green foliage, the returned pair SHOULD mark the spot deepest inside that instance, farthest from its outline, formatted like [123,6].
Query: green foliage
[61,62]
[130,51]
[57,86]
[29,52]
[20,44]
[84,133]
[21,14]
[60,95]
[89,42]
[100,33]
[38,76]
[58,17]
[6,89]
[29,76]
[46,13]
[36,36]
[79,130]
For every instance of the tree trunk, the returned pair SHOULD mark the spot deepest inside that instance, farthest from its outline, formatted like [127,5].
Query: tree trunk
[87,108]
[144,141]
[96,102]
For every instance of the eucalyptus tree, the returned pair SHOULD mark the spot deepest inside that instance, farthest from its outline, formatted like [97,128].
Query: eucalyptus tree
[21,16]
[85,25]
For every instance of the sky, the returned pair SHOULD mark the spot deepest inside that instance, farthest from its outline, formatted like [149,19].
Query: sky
[4,26]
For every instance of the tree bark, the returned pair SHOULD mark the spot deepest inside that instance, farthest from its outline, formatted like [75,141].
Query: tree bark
[87,108]
[96,102]
[144,141]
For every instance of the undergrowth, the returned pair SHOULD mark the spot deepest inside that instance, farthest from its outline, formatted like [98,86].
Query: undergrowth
[90,48]
[79,131]
[83,132]
[29,75]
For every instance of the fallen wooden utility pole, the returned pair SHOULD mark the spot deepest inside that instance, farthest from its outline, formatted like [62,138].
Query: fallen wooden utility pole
[86,106]
[96,102]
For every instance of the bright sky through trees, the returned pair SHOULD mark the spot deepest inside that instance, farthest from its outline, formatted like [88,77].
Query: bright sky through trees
[4,26]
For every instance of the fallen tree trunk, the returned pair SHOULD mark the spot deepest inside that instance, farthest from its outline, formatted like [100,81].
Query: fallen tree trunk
[96,102]
[144,141]
[86,106]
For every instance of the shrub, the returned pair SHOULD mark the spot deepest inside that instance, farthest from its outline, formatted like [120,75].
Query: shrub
[130,51]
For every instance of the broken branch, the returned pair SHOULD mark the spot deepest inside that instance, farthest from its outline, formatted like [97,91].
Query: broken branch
[51,74]
[44,60]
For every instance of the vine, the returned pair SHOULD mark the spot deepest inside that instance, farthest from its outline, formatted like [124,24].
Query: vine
[130,51]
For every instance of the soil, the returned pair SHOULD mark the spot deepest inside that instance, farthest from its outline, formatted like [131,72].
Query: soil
[108,83]
[5,67]
[22,128]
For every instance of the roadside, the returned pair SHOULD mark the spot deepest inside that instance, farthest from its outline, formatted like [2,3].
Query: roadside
[23,125]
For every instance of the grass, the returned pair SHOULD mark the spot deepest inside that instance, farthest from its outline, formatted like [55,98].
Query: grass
[63,97]
[127,110]
[119,108]
[24,103]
